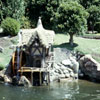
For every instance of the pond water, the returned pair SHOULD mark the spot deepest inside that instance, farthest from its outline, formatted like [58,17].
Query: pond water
[70,90]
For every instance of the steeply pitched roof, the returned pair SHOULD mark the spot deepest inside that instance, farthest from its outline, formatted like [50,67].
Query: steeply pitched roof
[46,37]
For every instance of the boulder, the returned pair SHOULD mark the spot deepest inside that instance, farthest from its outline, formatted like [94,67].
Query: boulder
[7,79]
[72,75]
[1,49]
[24,81]
[2,72]
[62,76]
[75,65]
[66,62]
[67,75]
[90,67]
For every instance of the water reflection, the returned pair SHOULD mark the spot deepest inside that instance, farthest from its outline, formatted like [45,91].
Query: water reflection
[70,90]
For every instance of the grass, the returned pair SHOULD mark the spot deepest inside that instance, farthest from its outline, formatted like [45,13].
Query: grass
[92,36]
[5,58]
[85,46]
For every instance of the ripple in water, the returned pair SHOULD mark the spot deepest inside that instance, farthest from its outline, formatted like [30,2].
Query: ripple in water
[70,90]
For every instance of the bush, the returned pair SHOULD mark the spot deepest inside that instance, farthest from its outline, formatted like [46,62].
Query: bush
[25,23]
[97,27]
[10,26]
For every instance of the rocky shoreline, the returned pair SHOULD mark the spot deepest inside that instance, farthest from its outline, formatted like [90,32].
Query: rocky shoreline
[68,65]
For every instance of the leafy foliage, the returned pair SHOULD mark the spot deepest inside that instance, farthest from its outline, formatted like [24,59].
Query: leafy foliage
[10,26]
[94,17]
[71,17]
[25,23]
[43,8]
[12,8]
[88,3]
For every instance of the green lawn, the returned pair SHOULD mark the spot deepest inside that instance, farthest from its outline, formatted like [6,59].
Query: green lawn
[85,46]
[5,57]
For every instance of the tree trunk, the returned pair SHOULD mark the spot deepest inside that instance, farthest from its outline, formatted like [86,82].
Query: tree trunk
[92,29]
[71,39]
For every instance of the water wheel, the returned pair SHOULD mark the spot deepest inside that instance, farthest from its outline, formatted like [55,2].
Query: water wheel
[16,64]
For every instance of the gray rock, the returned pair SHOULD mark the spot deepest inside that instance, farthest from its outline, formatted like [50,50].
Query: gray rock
[56,66]
[62,76]
[72,74]
[53,78]
[67,75]
[66,72]
[63,67]
[1,49]
[24,81]
[75,65]
[66,62]
[60,71]
[90,67]
[7,79]
[1,30]
[69,69]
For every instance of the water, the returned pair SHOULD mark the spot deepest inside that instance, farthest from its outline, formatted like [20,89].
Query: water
[80,90]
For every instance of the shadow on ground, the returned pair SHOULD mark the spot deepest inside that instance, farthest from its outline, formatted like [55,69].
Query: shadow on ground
[66,45]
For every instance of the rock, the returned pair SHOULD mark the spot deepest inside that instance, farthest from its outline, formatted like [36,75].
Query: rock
[66,62]
[24,81]
[62,76]
[1,30]
[53,78]
[80,74]
[67,75]
[56,66]
[75,65]
[7,79]
[65,71]
[15,80]
[2,73]
[12,46]
[60,71]
[69,69]
[72,75]
[57,71]
[90,67]
[63,67]
[1,49]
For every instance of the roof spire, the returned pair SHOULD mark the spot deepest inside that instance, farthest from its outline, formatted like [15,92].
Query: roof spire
[39,24]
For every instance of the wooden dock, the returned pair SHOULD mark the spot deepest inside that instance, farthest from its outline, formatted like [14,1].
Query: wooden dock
[33,70]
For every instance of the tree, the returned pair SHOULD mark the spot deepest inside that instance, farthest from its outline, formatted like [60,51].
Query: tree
[43,8]
[92,6]
[13,8]
[94,16]
[88,3]
[72,18]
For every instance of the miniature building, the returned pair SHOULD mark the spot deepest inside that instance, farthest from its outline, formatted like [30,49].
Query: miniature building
[33,56]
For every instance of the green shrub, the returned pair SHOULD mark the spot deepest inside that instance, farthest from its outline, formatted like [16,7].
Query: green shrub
[25,23]
[97,27]
[10,26]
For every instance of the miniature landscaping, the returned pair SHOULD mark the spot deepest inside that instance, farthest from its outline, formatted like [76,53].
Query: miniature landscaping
[52,44]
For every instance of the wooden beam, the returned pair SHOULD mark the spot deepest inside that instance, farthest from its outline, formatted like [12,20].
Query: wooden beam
[13,63]
[40,79]
[32,77]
